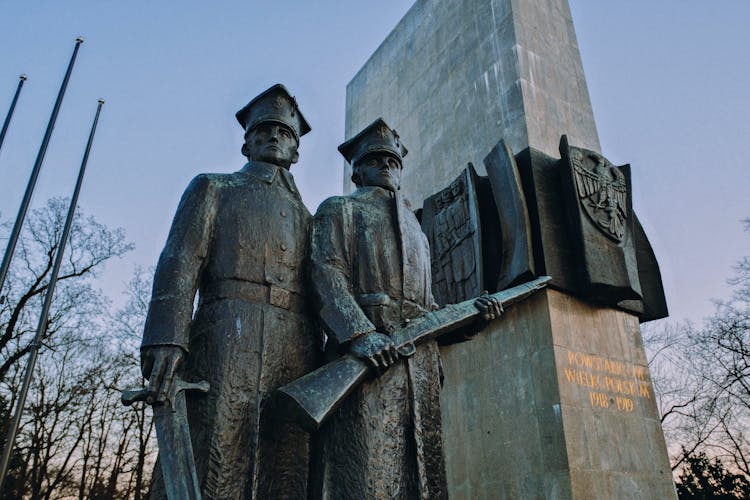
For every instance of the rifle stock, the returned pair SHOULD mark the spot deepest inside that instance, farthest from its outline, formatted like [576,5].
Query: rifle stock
[311,399]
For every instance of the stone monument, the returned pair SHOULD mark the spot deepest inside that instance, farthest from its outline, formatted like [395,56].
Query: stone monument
[555,400]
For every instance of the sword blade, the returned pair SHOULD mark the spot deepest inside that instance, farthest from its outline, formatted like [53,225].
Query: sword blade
[176,450]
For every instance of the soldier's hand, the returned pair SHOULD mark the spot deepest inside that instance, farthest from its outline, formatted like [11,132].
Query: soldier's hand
[376,348]
[490,307]
[159,365]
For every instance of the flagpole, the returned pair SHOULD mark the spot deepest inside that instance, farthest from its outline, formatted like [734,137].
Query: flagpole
[13,239]
[22,79]
[42,326]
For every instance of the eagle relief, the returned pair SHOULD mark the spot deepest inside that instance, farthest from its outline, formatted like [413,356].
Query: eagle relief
[602,191]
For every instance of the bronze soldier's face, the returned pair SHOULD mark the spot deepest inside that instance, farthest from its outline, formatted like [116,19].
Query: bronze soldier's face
[380,169]
[271,143]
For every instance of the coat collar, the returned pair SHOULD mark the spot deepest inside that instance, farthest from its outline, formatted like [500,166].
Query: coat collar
[373,192]
[378,193]
[267,172]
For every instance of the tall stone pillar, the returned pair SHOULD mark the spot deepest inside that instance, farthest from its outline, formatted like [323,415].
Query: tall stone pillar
[455,76]
[554,400]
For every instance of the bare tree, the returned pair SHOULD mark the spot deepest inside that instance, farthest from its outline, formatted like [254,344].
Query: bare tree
[702,375]
[76,302]
[75,439]
[685,398]
[127,326]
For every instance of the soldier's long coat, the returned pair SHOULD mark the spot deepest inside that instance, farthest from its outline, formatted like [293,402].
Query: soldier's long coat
[239,239]
[370,269]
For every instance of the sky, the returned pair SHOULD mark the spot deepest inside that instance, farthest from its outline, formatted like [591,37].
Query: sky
[668,82]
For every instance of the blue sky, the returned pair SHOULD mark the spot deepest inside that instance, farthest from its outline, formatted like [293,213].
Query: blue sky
[668,82]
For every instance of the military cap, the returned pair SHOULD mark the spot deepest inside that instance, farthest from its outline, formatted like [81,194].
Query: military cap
[375,138]
[274,105]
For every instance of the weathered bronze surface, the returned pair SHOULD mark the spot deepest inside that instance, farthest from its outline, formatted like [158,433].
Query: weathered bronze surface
[654,303]
[598,203]
[583,230]
[602,190]
[371,274]
[451,221]
[515,255]
[240,240]
[479,231]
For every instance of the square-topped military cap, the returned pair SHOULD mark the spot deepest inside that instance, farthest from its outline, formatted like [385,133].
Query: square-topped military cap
[274,105]
[377,137]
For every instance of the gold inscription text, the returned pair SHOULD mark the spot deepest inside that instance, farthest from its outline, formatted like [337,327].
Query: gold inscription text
[611,383]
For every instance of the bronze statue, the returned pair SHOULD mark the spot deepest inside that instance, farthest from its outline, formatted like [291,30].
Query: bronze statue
[370,270]
[241,241]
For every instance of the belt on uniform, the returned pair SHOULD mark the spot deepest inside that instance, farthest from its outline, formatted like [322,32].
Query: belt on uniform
[408,308]
[254,292]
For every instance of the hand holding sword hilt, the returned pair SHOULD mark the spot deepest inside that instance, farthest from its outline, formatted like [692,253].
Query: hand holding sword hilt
[173,435]
[145,394]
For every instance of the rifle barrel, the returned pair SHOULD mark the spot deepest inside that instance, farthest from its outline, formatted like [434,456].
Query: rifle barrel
[311,399]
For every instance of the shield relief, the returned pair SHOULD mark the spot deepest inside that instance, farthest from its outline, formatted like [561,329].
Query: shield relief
[450,219]
[602,191]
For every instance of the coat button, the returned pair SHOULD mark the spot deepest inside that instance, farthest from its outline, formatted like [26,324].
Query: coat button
[283,247]
[283,213]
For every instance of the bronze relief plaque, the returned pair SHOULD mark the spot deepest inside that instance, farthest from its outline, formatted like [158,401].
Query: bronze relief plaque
[602,191]
[450,219]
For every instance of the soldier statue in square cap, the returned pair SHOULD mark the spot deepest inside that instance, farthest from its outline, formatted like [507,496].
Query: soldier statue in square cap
[240,241]
[370,270]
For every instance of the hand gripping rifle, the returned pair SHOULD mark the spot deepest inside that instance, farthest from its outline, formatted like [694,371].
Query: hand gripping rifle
[311,399]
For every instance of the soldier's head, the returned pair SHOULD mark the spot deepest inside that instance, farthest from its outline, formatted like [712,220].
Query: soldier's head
[376,155]
[273,126]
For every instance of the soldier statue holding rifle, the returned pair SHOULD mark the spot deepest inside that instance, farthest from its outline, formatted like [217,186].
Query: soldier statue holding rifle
[370,269]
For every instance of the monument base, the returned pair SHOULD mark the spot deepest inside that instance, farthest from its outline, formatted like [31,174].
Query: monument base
[553,400]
